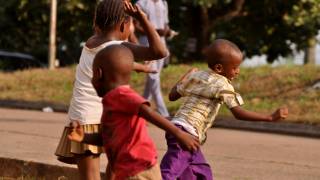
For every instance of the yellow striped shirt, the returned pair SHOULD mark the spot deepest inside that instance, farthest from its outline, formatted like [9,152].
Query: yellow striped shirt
[205,92]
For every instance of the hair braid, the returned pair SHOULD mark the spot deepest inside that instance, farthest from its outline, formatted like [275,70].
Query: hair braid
[109,13]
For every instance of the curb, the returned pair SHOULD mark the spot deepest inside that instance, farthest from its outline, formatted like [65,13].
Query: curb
[18,169]
[296,129]
[11,169]
[37,105]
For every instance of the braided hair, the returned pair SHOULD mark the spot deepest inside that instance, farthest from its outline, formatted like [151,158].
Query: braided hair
[109,13]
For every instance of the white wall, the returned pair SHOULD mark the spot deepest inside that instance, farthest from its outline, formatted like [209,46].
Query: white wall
[297,59]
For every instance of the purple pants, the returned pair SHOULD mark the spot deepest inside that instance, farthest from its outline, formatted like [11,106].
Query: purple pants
[182,164]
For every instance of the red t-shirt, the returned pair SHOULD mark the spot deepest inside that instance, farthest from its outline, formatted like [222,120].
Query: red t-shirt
[129,148]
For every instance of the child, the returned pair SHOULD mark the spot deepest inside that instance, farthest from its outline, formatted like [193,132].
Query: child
[112,26]
[130,151]
[205,92]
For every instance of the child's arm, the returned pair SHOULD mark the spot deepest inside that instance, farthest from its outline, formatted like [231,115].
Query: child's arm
[133,38]
[143,68]
[77,134]
[156,49]
[186,140]
[174,95]
[242,114]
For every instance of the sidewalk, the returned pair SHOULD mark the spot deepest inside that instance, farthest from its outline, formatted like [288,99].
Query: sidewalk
[32,136]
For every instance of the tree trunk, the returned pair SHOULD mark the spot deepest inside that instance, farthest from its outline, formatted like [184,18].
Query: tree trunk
[52,35]
[310,52]
[208,21]
[204,36]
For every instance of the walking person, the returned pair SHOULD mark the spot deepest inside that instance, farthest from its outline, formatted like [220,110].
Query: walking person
[157,13]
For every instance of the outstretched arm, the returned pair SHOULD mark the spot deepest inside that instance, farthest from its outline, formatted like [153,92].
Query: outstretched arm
[174,95]
[186,140]
[156,49]
[242,114]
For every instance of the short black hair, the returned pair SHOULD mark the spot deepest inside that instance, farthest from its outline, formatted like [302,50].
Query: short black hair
[109,13]
[218,49]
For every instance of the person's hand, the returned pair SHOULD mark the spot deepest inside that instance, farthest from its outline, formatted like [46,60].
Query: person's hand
[76,132]
[187,141]
[148,63]
[280,113]
[184,77]
[147,69]
[172,34]
[133,10]
[192,70]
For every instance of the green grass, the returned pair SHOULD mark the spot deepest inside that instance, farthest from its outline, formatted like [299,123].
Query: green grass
[263,89]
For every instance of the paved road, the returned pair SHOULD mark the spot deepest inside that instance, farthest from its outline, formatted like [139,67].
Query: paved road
[235,155]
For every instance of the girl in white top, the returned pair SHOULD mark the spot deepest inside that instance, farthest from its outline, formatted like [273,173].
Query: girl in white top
[112,26]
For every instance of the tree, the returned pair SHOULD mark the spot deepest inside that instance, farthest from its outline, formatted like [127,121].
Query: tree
[199,17]
[275,28]
[25,27]
[258,27]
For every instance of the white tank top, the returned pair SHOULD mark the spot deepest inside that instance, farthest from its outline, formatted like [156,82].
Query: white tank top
[86,105]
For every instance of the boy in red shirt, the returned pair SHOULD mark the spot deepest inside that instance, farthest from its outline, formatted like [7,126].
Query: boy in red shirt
[130,150]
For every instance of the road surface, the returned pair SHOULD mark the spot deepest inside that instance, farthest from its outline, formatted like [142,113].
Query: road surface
[233,155]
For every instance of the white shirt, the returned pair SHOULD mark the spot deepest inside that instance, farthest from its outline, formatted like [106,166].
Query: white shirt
[157,13]
[86,105]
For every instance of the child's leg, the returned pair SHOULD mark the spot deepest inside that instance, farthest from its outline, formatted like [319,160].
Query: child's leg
[175,161]
[109,174]
[198,168]
[153,173]
[153,88]
[183,165]
[89,166]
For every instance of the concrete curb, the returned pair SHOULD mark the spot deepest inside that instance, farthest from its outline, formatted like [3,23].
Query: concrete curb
[19,169]
[39,105]
[298,129]
[11,169]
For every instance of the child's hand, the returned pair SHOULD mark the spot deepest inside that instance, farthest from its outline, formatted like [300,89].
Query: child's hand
[76,132]
[192,70]
[184,77]
[133,10]
[147,68]
[187,141]
[172,34]
[280,113]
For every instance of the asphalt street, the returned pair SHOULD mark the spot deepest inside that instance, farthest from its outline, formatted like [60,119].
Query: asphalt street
[233,154]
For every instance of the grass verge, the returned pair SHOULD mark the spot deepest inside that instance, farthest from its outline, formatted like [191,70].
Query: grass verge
[263,88]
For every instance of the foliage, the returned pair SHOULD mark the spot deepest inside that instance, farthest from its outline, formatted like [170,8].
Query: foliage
[75,25]
[195,20]
[273,27]
[258,27]
[25,26]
